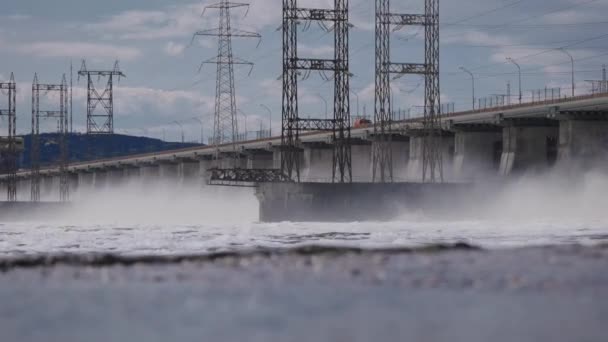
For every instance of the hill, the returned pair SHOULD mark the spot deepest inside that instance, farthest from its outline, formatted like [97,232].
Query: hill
[84,147]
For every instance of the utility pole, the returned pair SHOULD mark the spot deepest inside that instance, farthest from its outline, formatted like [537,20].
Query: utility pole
[11,153]
[269,118]
[326,104]
[519,73]
[604,79]
[432,169]
[100,122]
[63,126]
[293,66]
[225,125]
[179,125]
[357,97]
[71,97]
[202,127]
[572,60]
[472,81]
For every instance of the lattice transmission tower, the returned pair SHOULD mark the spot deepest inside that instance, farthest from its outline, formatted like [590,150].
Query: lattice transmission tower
[62,117]
[100,120]
[432,169]
[292,124]
[10,154]
[225,124]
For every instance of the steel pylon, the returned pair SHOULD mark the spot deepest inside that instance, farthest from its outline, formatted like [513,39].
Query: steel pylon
[292,124]
[382,150]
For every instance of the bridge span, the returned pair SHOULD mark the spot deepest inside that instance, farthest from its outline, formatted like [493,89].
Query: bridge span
[476,145]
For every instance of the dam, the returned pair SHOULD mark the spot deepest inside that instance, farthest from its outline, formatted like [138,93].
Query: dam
[482,146]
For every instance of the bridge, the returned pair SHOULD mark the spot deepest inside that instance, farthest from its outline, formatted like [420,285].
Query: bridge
[476,145]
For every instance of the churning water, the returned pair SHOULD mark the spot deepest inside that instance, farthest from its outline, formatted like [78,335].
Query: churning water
[164,219]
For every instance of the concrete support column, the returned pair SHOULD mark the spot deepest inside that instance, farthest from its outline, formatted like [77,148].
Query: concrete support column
[149,173]
[24,189]
[318,163]
[101,179]
[189,172]
[86,180]
[362,163]
[416,162]
[49,186]
[583,144]
[477,153]
[204,166]
[276,158]
[401,156]
[530,148]
[115,177]
[169,172]
[74,183]
[260,160]
[131,175]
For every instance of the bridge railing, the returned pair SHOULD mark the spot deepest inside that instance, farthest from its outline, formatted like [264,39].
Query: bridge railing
[546,101]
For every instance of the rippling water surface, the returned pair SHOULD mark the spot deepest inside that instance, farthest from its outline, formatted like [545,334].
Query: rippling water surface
[161,239]
[164,219]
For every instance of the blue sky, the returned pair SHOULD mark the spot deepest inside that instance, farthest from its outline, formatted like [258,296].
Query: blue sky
[151,38]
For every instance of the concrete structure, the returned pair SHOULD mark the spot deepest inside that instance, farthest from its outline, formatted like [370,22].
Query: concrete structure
[480,144]
[477,152]
[528,146]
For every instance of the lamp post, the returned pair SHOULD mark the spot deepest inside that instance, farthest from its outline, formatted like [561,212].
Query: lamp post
[326,104]
[357,96]
[572,60]
[202,127]
[519,72]
[182,129]
[269,118]
[472,81]
[245,126]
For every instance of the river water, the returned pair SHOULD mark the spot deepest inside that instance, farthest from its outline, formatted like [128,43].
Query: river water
[537,272]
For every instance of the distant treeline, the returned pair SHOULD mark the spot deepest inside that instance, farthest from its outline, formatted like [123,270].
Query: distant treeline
[84,147]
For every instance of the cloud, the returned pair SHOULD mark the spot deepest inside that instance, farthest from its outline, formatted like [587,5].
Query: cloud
[174,49]
[79,50]
[181,21]
[316,51]
[19,17]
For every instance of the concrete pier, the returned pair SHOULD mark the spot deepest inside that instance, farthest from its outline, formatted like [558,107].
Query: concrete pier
[101,179]
[583,141]
[362,162]
[415,163]
[149,173]
[86,180]
[327,202]
[318,161]
[477,152]
[528,146]
[259,159]
[168,171]
[189,172]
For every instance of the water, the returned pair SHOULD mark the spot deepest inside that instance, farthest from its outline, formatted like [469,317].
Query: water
[511,290]
[18,239]
[165,218]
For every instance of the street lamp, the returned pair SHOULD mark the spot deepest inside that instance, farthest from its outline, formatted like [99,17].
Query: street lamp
[519,71]
[245,126]
[572,60]
[357,96]
[269,118]
[182,128]
[472,81]
[202,127]
[326,104]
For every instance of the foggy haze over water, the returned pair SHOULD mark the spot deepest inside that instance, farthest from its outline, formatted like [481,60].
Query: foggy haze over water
[164,218]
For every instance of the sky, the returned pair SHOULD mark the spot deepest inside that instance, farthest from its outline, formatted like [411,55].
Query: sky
[152,39]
